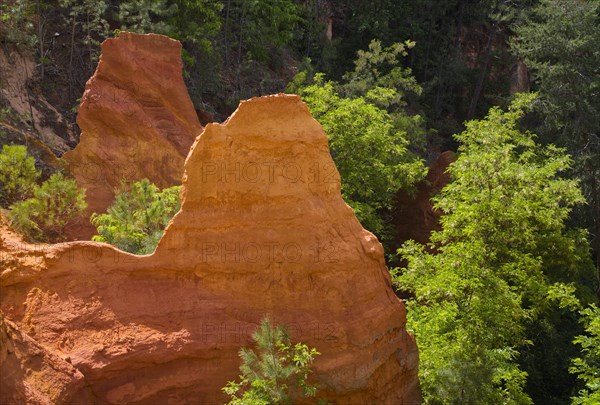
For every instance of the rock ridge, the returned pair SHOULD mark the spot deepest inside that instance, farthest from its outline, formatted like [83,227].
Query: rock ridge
[263,230]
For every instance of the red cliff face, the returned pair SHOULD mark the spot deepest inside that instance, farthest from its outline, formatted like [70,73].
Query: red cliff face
[262,230]
[136,118]
[414,215]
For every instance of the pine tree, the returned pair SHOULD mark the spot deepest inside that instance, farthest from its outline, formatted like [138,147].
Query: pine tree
[276,374]
[136,220]
[18,175]
[53,205]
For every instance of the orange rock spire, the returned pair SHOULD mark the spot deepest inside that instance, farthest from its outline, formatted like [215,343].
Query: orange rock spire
[136,118]
[263,230]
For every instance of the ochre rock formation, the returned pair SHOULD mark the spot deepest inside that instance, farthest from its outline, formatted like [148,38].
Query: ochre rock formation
[414,215]
[262,230]
[137,121]
[30,374]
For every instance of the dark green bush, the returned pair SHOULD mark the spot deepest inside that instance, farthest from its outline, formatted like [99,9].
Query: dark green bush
[53,205]
[18,175]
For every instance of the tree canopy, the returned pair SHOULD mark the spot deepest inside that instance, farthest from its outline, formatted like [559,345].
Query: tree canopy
[502,299]
[488,272]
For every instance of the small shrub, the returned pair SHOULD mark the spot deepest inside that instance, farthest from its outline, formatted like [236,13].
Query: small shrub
[18,175]
[53,205]
[275,374]
[136,220]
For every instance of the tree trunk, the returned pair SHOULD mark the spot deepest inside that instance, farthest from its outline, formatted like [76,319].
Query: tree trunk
[41,38]
[71,57]
[482,74]
[226,36]
[426,70]
[89,41]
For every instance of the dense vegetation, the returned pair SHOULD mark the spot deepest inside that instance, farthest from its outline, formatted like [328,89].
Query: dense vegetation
[490,271]
[18,175]
[587,366]
[369,131]
[504,300]
[39,211]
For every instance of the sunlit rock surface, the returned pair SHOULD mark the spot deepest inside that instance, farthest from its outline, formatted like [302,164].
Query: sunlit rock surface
[136,118]
[262,230]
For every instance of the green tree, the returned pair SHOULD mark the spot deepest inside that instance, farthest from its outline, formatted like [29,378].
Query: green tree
[379,77]
[502,245]
[277,374]
[256,26]
[53,205]
[382,67]
[17,18]
[196,23]
[136,220]
[256,38]
[456,49]
[370,153]
[88,27]
[371,136]
[146,16]
[560,43]
[192,22]
[18,175]
[587,367]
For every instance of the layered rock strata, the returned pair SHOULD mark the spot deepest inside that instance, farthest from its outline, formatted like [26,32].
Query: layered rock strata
[136,118]
[262,231]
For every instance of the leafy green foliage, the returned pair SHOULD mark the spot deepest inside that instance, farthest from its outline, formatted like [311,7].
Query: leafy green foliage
[587,367]
[87,18]
[277,374]
[503,242]
[146,16]
[53,205]
[17,23]
[502,234]
[191,22]
[260,25]
[136,220]
[369,131]
[560,42]
[380,67]
[196,22]
[18,175]
[380,78]
[451,52]
[370,152]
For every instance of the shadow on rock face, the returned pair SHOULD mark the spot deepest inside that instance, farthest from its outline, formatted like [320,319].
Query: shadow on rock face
[263,230]
[137,121]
